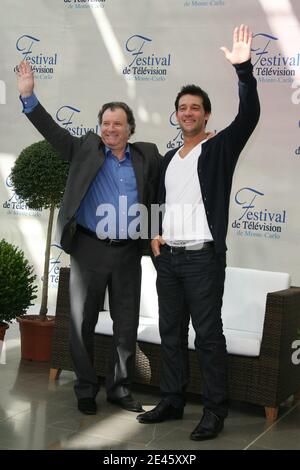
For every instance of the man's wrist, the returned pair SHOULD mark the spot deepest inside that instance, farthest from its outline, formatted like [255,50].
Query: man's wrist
[246,65]
[28,102]
[244,70]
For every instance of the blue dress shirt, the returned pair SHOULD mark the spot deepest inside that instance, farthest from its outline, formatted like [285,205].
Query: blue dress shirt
[104,209]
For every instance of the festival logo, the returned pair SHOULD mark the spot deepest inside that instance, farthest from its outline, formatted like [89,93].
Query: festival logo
[255,220]
[42,64]
[270,66]
[15,205]
[67,115]
[54,265]
[144,64]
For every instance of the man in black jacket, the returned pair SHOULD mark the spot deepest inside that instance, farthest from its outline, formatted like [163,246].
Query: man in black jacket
[195,187]
[108,177]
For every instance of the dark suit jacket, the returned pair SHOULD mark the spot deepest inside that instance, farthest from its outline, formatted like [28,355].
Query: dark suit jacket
[86,156]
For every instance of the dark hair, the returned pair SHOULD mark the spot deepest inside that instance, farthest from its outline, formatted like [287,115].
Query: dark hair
[116,105]
[197,91]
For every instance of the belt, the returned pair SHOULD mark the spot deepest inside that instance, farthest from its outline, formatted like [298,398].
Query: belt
[182,249]
[107,241]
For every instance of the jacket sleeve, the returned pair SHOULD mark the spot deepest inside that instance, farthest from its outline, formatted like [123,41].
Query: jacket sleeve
[239,131]
[59,138]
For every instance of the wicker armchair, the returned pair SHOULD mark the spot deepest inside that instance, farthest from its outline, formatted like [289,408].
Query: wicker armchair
[266,380]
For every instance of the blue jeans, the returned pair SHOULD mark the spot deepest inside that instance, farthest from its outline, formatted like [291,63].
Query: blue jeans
[192,281]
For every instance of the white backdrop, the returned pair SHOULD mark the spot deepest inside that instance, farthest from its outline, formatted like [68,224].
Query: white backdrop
[87,52]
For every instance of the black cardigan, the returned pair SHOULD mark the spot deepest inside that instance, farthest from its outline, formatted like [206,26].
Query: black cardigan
[218,158]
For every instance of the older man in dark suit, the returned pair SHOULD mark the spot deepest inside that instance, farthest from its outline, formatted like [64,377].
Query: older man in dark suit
[100,225]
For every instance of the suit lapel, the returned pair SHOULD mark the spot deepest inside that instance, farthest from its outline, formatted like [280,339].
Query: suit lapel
[101,156]
[138,166]
[96,161]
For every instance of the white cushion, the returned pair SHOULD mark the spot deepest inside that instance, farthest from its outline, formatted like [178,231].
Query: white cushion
[244,306]
[149,301]
[243,310]
[245,295]
[147,331]
[104,324]
[242,343]
[238,342]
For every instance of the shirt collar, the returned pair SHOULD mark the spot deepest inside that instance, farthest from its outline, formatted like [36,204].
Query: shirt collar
[109,152]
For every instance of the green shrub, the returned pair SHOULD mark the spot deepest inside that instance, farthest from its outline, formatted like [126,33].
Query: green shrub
[17,289]
[39,178]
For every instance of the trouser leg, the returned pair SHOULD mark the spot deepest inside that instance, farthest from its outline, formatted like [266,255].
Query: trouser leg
[87,289]
[204,274]
[171,323]
[124,300]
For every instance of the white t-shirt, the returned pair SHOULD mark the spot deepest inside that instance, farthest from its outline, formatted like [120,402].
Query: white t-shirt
[184,221]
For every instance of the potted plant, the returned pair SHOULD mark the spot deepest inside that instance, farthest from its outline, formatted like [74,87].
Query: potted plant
[39,178]
[17,289]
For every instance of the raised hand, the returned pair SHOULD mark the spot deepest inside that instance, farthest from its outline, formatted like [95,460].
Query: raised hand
[25,79]
[241,48]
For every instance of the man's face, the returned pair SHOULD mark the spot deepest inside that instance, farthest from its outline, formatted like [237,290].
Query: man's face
[115,130]
[191,115]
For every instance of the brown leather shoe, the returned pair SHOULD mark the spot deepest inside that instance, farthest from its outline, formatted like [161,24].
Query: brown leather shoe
[128,403]
[209,427]
[162,412]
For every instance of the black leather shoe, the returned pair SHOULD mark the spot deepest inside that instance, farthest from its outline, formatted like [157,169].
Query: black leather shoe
[87,406]
[208,428]
[161,412]
[128,403]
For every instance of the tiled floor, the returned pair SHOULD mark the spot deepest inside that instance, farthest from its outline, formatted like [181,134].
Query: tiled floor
[38,414]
